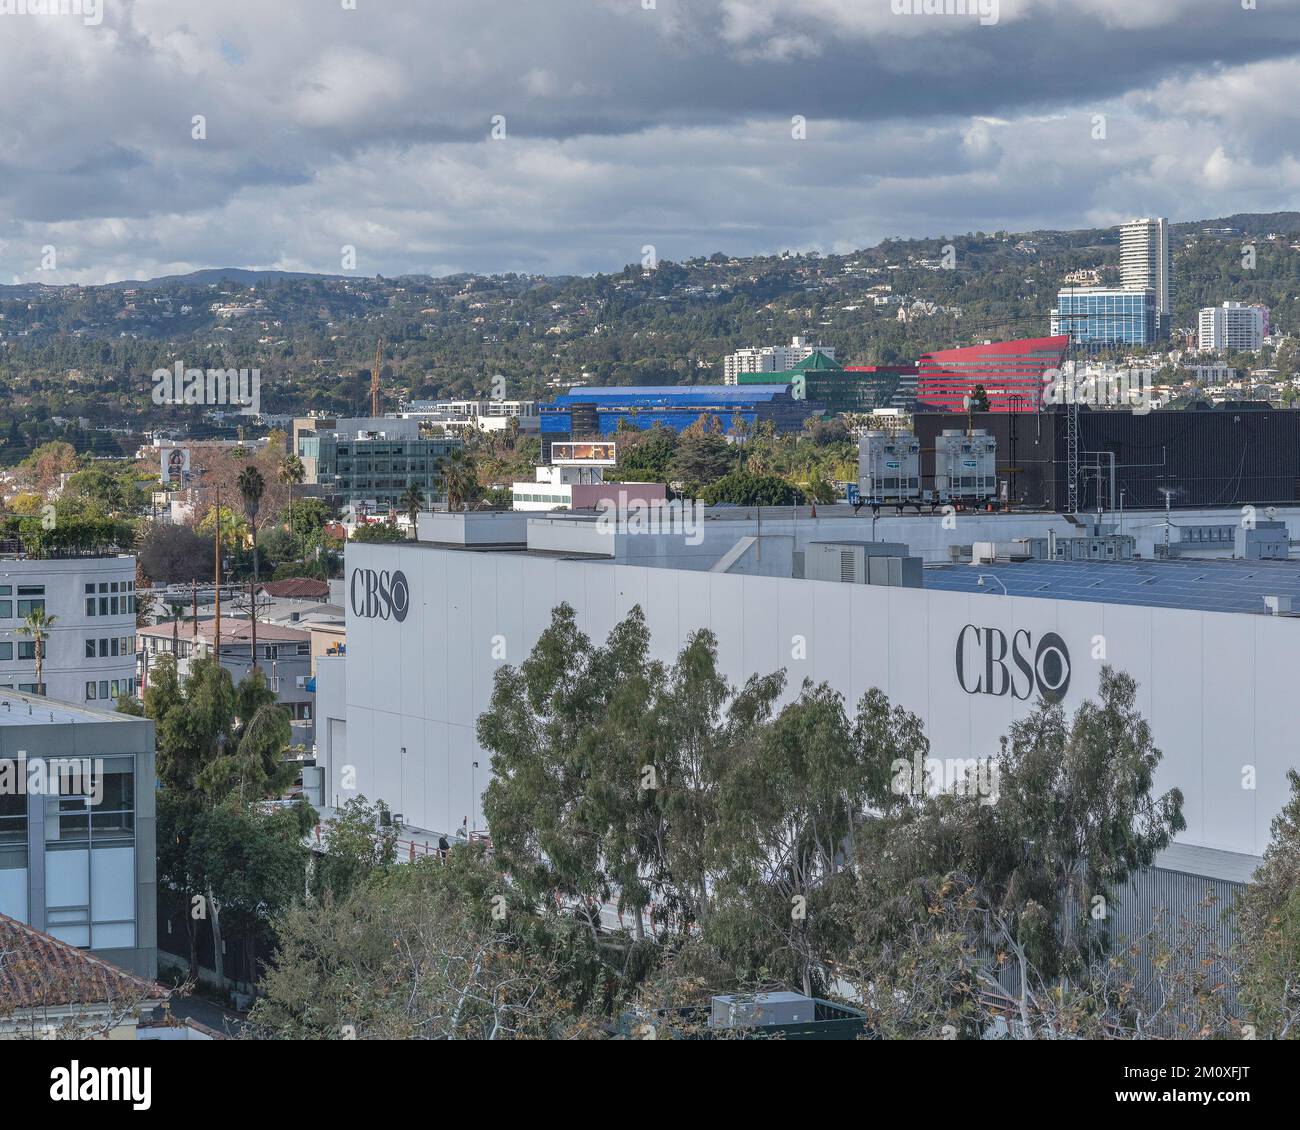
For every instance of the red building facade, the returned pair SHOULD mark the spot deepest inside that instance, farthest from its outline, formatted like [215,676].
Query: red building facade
[1010,371]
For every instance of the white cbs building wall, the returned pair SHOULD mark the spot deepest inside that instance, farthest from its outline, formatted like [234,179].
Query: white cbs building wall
[1215,687]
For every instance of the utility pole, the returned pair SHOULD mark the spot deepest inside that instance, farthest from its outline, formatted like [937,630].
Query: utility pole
[1072,411]
[1168,493]
[252,614]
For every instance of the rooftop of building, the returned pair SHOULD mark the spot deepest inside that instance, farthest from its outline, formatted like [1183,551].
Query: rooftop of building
[38,971]
[233,631]
[297,588]
[669,394]
[1203,585]
[17,708]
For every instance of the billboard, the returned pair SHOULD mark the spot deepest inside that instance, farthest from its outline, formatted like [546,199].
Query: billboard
[598,452]
[175,464]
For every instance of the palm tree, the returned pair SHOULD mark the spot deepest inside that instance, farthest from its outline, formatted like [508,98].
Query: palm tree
[37,624]
[411,501]
[459,478]
[251,487]
[291,472]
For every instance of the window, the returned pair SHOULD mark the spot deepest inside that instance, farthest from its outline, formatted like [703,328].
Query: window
[103,649]
[91,695]
[114,816]
[103,688]
[31,590]
[13,819]
[90,649]
[6,651]
[6,609]
[90,606]
[27,650]
[27,607]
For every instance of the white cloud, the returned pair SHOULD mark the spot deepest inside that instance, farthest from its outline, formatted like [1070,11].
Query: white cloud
[625,126]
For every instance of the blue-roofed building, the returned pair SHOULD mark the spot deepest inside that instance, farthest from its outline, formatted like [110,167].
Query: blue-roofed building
[587,410]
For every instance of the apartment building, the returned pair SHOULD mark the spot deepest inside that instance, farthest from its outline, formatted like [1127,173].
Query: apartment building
[88,646]
[1146,264]
[771,358]
[1232,326]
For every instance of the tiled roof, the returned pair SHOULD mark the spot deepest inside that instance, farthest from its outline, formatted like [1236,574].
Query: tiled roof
[298,588]
[38,971]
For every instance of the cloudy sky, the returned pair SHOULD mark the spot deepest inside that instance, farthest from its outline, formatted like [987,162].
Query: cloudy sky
[370,124]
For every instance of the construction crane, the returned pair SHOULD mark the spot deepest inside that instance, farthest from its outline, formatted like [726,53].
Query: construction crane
[374,378]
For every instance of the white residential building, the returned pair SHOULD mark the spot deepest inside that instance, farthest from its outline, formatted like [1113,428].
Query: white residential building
[771,358]
[1145,261]
[88,652]
[1232,326]
[1217,374]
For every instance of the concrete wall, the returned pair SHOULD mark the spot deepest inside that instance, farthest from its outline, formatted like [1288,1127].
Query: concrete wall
[1215,686]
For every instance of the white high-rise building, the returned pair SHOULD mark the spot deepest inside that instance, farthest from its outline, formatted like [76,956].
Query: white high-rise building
[1232,326]
[1145,262]
[771,358]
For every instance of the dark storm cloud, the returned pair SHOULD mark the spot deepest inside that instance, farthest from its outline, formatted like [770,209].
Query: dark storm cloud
[622,126]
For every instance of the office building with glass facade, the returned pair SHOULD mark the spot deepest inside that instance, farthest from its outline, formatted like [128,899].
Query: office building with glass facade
[77,827]
[1101,318]
[375,460]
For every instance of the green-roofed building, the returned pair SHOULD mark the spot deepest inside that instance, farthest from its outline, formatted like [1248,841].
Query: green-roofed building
[860,388]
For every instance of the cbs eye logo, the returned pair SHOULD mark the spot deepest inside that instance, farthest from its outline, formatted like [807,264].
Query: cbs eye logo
[380,595]
[989,663]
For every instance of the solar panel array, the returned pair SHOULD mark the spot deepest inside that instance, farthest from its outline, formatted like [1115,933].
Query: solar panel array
[1210,586]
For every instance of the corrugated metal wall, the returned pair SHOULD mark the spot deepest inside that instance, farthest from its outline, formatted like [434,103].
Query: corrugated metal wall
[1171,906]
[1219,457]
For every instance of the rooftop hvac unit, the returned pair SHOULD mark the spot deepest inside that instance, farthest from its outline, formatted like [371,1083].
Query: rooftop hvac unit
[763,1010]
[889,467]
[862,563]
[965,466]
